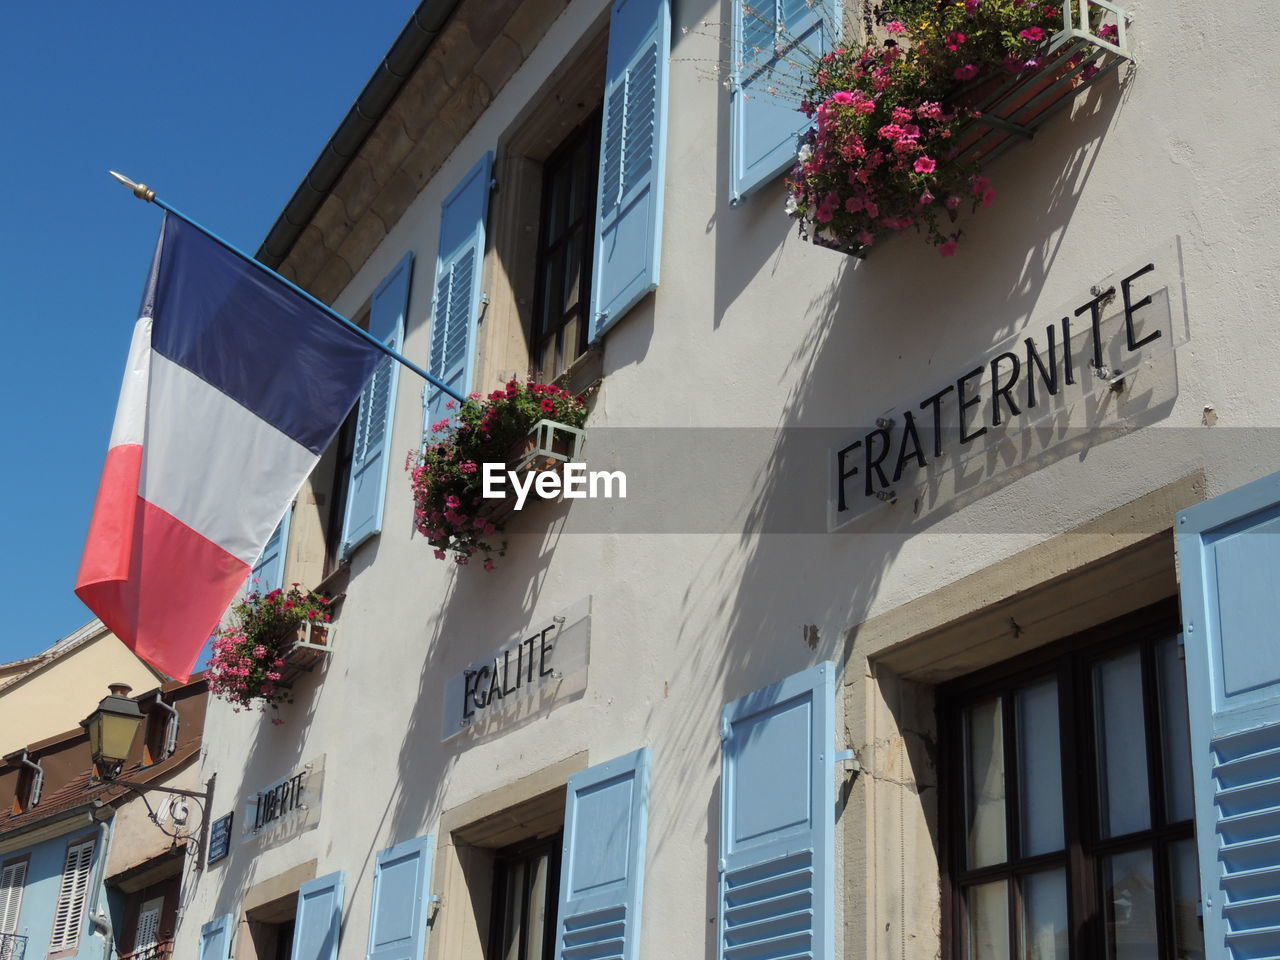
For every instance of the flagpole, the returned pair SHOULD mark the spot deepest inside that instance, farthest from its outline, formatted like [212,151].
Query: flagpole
[143,192]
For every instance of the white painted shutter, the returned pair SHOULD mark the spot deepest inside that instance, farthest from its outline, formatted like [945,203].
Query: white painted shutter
[215,938]
[147,934]
[319,922]
[13,879]
[73,894]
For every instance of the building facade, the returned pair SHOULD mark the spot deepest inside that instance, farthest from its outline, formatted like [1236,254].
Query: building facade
[93,870]
[807,691]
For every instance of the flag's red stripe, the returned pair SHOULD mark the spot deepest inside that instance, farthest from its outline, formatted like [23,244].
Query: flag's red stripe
[156,583]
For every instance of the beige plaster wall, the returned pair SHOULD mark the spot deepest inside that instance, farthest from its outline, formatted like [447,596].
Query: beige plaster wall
[753,329]
[57,696]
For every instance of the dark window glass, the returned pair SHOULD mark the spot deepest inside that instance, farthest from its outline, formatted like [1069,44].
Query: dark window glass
[1071,830]
[526,890]
[565,237]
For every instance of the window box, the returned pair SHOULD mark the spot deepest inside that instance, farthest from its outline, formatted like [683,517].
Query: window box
[549,446]
[905,124]
[311,645]
[1010,109]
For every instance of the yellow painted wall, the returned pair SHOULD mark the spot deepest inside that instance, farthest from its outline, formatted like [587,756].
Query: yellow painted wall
[55,697]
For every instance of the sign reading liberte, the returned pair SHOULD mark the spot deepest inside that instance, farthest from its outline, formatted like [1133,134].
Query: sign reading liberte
[544,665]
[285,808]
[1090,346]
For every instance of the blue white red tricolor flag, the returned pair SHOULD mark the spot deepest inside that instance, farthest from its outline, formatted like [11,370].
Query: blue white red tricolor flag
[235,385]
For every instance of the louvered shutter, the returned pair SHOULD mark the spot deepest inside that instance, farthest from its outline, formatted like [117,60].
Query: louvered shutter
[773,41]
[319,919]
[455,311]
[777,821]
[215,938]
[398,921]
[268,573]
[1229,559]
[147,932]
[367,490]
[602,868]
[73,894]
[632,160]
[13,879]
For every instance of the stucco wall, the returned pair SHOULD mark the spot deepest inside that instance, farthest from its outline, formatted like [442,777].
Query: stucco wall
[704,586]
[57,696]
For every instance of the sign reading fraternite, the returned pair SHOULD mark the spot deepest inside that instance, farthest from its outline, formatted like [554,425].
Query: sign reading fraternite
[544,665]
[1085,368]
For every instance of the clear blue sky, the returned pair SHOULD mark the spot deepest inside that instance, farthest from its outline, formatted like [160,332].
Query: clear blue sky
[222,108]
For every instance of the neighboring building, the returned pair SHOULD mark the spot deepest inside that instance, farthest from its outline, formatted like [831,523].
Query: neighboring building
[48,693]
[998,643]
[85,870]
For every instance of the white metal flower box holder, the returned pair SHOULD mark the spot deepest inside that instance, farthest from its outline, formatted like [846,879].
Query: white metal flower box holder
[1010,110]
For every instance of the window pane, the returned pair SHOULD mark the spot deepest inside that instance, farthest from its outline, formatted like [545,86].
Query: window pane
[1039,769]
[1128,892]
[1188,937]
[1174,732]
[513,916]
[985,803]
[1044,916]
[1123,802]
[988,921]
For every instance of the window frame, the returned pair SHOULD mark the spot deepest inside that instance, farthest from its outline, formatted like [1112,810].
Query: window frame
[540,331]
[526,852]
[1084,850]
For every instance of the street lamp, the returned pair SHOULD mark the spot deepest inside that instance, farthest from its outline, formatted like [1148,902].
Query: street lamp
[111,729]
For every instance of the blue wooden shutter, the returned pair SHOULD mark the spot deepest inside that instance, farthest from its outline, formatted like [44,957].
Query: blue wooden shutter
[772,42]
[398,920]
[1229,559]
[455,312]
[319,919]
[632,160]
[777,821]
[215,938]
[602,868]
[268,573]
[367,491]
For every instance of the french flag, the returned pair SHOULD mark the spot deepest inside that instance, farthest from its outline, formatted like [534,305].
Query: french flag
[235,385]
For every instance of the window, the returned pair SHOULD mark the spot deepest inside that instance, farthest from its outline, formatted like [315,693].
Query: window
[13,879]
[565,233]
[161,730]
[1071,813]
[73,896]
[526,888]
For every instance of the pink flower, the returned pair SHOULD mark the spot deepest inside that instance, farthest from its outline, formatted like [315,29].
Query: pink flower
[439,554]
[926,198]
[930,110]
[452,502]
[891,131]
[953,202]
[980,185]
[987,196]
[842,97]
[967,72]
[488,564]
[1032,34]
[1089,72]
[971,6]
[954,39]
[947,249]
[901,114]
[895,26]
[925,165]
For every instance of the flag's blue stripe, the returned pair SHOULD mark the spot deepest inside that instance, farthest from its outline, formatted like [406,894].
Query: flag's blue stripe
[250,336]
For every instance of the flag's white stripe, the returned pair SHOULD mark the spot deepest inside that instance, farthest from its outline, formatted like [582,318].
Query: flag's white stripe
[131,411]
[214,466]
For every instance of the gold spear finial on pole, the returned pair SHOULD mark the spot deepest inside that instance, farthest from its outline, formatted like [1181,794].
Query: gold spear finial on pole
[139,190]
